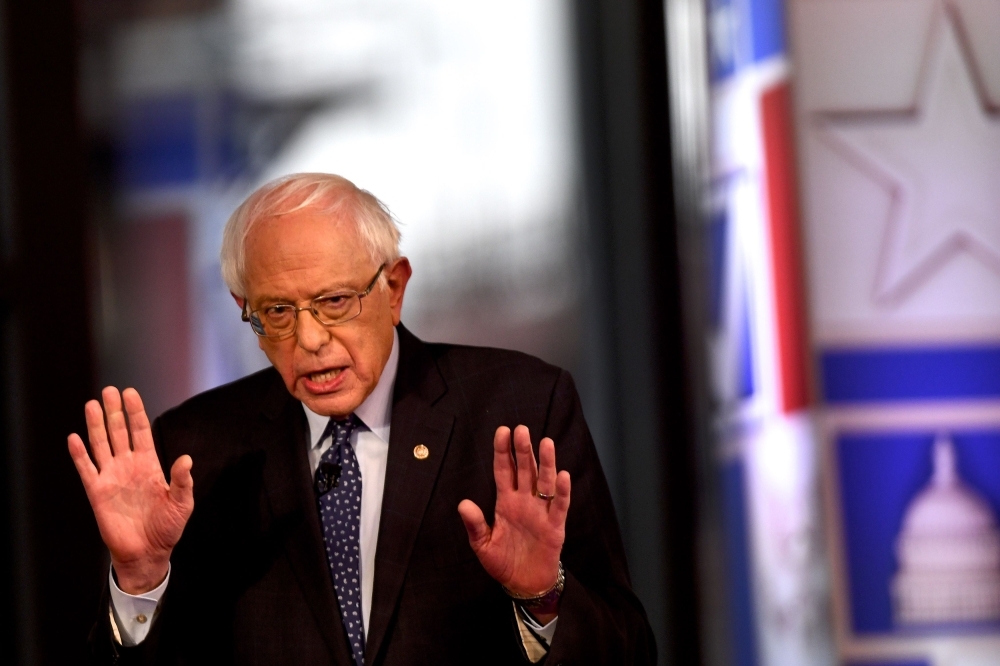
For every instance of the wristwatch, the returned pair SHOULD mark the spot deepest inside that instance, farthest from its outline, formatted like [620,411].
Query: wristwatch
[546,598]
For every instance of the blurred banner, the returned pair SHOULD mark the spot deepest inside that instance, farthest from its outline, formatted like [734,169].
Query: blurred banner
[897,114]
[459,116]
[761,376]
[896,111]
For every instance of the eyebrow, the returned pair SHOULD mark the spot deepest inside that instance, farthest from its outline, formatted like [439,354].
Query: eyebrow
[271,299]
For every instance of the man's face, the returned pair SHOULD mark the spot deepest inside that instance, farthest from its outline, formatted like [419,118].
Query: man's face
[293,259]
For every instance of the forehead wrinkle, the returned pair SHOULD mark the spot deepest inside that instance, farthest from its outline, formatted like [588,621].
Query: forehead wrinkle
[278,283]
[346,229]
[286,266]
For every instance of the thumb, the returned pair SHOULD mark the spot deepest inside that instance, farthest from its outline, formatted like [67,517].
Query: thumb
[181,481]
[475,524]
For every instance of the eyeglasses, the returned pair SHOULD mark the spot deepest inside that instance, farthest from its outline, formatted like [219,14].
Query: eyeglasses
[279,321]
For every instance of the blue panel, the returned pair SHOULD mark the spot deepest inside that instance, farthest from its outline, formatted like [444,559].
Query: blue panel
[746,377]
[723,38]
[931,373]
[767,21]
[744,642]
[157,142]
[740,34]
[880,473]
[229,153]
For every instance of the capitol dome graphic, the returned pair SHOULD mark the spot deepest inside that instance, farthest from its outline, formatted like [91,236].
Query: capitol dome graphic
[948,551]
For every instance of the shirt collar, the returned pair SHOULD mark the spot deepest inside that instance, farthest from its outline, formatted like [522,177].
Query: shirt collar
[375,412]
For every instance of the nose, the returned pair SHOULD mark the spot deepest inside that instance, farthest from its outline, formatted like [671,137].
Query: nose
[311,334]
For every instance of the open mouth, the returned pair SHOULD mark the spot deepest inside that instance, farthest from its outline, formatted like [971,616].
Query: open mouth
[323,381]
[325,375]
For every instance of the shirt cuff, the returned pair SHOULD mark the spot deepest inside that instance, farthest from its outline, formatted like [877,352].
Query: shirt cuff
[545,632]
[132,615]
[535,638]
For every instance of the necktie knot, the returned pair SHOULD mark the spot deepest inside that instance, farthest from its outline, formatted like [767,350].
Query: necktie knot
[340,429]
[331,465]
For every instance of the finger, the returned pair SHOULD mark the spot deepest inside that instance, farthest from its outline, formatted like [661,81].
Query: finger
[503,461]
[560,505]
[546,483]
[117,428]
[96,433]
[475,524]
[527,471]
[181,482]
[142,434]
[84,465]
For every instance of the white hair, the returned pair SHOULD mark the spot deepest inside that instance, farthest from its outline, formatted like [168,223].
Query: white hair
[324,192]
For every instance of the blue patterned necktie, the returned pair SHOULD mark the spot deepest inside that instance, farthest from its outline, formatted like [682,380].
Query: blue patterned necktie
[338,486]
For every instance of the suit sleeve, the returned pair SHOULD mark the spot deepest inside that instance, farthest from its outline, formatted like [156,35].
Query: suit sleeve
[601,621]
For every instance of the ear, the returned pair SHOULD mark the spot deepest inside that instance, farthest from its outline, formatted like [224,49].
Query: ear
[396,276]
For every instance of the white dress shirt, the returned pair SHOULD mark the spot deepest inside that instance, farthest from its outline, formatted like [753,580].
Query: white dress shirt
[132,615]
[371,447]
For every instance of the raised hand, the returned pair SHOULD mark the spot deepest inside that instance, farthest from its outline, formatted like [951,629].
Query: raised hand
[522,549]
[140,516]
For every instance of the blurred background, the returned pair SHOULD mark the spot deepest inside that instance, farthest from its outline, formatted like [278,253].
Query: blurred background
[764,237]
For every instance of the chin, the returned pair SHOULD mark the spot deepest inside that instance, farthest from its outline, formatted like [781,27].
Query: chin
[330,405]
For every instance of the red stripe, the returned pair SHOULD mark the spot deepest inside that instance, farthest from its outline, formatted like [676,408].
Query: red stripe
[789,285]
[149,261]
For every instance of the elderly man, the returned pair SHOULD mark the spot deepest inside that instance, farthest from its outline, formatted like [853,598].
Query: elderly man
[330,510]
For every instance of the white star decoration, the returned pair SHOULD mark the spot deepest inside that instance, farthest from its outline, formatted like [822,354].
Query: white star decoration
[940,162]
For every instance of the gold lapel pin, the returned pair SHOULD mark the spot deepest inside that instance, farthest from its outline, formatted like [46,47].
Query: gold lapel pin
[420,452]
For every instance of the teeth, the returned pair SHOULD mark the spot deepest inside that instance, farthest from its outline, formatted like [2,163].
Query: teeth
[320,377]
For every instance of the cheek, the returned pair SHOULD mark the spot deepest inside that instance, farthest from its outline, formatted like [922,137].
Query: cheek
[361,359]
[282,358]
[366,359]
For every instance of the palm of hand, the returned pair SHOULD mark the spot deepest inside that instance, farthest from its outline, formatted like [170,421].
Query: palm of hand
[139,515]
[133,507]
[524,545]
[521,550]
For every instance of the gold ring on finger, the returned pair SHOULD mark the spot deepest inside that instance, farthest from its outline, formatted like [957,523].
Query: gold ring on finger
[547,498]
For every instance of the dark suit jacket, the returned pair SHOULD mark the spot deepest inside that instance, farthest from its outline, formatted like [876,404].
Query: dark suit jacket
[249,581]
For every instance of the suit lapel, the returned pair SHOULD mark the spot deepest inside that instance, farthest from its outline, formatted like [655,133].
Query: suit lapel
[290,493]
[409,480]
